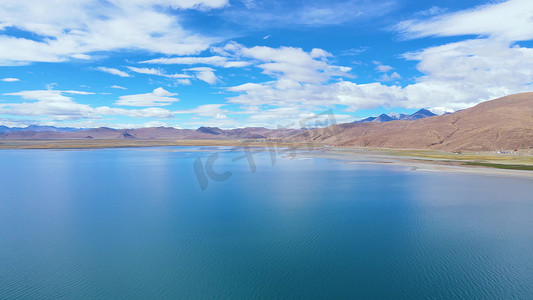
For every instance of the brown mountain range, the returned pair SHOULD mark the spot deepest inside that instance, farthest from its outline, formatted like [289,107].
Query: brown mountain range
[502,124]
[157,133]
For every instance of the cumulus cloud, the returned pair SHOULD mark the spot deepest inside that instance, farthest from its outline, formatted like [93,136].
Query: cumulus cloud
[59,105]
[183,81]
[113,71]
[382,68]
[205,74]
[318,96]
[391,77]
[158,97]
[460,74]
[48,102]
[76,28]
[289,64]
[471,71]
[454,75]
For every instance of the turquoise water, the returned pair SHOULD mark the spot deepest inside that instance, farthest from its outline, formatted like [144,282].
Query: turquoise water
[134,223]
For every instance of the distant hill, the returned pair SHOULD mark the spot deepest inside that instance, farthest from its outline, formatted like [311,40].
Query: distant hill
[379,119]
[502,124]
[162,133]
[210,130]
[423,113]
[36,128]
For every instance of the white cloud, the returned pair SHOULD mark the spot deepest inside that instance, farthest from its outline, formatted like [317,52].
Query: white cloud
[185,4]
[391,77]
[205,74]
[118,87]
[188,60]
[354,51]
[47,95]
[301,84]
[439,110]
[510,21]
[460,74]
[56,105]
[218,61]
[113,71]
[10,79]
[285,117]
[148,71]
[151,112]
[317,96]
[382,68]
[208,110]
[237,64]
[157,72]
[183,81]
[158,97]
[434,10]
[16,122]
[288,64]
[471,71]
[76,28]
[81,56]
[48,102]
[454,76]
[245,87]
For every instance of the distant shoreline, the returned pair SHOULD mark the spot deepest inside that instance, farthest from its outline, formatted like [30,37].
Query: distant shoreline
[514,164]
[119,143]
[421,163]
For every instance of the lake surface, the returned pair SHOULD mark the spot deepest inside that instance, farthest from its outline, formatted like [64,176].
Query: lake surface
[135,223]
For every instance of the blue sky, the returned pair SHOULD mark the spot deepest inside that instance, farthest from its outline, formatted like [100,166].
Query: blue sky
[225,63]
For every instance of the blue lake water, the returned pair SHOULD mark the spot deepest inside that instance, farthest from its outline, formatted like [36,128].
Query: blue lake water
[134,223]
